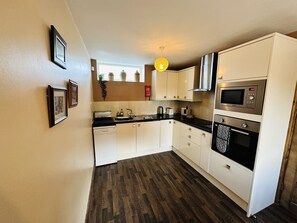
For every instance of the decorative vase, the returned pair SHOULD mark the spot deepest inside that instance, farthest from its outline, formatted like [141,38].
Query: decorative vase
[110,76]
[123,75]
[137,76]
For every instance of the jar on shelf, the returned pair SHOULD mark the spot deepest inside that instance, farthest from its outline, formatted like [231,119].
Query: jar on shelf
[137,76]
[123,75]
[110,76]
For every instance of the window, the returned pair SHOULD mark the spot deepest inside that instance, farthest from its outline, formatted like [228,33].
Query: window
[113,72]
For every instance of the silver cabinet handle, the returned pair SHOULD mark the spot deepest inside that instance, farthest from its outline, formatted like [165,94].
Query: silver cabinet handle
[174,96]
[190,129]
[133,125]
[203,134]
[228,166]
[169,122]
[189,136]
[220,77]
[189,144]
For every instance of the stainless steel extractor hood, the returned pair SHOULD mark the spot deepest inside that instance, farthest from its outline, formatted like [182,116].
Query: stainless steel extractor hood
[208,70]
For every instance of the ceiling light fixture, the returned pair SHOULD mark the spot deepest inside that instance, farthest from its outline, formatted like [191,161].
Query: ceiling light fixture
[161,63]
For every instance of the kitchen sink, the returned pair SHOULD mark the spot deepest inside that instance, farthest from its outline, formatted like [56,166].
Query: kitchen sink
[123,118]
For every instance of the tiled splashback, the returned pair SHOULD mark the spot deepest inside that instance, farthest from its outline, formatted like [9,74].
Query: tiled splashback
[203,109]
[138,107]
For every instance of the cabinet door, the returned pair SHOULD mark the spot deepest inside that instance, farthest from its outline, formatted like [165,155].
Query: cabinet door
[176,134]
[249,61]
[148,136]
[126,140]
[159,85]
[205,150]
[172,85]
[166,135]
[190,77]
[182,81]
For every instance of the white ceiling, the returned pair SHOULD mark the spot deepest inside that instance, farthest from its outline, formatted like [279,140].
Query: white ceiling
[131,31]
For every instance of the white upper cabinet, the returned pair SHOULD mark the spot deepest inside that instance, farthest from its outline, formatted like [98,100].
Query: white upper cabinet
[246,61]
[172,83]
[164,85]
[187,80]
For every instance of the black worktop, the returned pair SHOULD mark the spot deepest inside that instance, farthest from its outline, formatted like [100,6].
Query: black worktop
[195,122]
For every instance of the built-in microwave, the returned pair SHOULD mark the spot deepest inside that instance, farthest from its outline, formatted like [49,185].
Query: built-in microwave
[243,96]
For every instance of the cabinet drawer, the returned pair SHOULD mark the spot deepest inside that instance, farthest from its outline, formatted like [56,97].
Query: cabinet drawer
[190,150]
[232,175]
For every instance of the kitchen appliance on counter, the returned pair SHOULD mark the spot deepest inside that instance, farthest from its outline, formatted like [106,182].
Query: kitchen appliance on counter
[244,96]
[208,70]
[160,110]
[236,139]
[185,111]
[169,111]
[104,138]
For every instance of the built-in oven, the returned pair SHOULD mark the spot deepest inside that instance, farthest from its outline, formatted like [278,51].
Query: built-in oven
[243,96]
[236,139]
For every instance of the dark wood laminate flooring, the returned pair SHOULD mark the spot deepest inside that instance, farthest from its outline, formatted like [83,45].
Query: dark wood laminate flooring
[164,188]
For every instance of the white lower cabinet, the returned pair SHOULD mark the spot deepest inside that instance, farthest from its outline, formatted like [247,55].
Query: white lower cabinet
[234,176]
[205,150]
[166,133]
[193,143]
[126,140]
[175,134]
[137,139]
[148,136]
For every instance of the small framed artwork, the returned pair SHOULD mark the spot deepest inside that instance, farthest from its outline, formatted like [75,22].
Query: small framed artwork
[72,93]
[58,48]
[57,104]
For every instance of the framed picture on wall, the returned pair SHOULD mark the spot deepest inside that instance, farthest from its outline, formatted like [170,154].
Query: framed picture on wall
[72,93]
[57,104]
[58,48]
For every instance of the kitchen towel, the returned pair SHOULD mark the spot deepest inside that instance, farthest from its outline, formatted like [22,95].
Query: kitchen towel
[223,138]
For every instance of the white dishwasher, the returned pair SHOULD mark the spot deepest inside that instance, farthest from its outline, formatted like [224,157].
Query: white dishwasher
[105,145]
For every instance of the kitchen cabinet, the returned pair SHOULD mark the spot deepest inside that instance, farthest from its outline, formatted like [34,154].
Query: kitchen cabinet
[137,139]
[247,61]
[164,85]
[188,80]
[166,133]
[148,136]
[195,144]
[272,57]
[176,134]
[234,176]
[126,140]
[172,83]
[205,150]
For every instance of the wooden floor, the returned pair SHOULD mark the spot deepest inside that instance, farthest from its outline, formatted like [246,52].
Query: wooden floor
[163,188]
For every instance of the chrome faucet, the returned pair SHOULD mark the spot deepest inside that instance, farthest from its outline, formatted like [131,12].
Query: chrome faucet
[130,113]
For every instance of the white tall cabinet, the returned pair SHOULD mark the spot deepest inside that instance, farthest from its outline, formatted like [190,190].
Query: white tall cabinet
[272,57]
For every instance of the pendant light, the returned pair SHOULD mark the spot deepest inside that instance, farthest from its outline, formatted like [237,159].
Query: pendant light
[161,63]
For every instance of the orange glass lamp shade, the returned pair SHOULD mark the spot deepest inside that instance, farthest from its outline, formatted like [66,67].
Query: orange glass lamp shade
[161,64]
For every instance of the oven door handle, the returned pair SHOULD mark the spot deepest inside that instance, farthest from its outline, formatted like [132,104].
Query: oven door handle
[235,130]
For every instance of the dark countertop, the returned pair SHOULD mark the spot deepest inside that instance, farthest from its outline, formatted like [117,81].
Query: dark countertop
[195,122]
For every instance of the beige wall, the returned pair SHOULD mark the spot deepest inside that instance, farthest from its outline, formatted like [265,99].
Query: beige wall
[45,173]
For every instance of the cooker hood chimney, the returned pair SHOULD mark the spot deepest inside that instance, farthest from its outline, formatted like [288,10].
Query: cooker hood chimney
[208,70]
